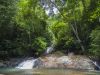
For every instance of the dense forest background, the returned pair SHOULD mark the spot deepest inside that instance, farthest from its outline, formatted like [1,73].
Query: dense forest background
[28,27]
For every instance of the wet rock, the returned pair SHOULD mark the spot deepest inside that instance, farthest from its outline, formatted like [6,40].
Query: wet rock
[2,65]
[64,60]
[67,62]
[55,61]
[49,62]
[83,64]
[38,63]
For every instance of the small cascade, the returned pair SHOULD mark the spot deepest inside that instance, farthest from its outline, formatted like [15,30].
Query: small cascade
[31,63]
[95,63]
[28,64]
[49,49]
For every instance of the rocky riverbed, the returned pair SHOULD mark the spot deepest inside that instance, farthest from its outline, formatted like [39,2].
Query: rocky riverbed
[74,62]
[55,61]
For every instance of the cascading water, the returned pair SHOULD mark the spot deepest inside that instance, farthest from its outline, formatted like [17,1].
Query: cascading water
[49,49]
[31,63]
[95,63]
[28,64]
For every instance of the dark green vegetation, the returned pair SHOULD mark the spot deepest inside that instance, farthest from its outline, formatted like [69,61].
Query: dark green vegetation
[26,29]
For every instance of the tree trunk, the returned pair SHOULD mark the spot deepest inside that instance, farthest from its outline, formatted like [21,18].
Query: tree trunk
[79,41]
[73,28]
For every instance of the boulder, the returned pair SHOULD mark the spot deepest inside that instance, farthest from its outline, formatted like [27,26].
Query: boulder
[2,64]
[38,63]
[74,62]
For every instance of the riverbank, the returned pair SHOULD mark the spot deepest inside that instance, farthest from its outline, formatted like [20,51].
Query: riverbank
[67,61]
[55,60]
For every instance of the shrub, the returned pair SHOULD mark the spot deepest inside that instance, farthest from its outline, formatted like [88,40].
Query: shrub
[95,42]
[39,45]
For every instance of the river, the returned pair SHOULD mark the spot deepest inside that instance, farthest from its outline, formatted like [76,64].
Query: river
[52,65]
[47,72]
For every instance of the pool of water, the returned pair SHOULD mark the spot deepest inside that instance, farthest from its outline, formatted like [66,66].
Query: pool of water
[46,72]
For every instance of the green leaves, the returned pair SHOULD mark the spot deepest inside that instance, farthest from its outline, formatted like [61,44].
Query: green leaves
[27,15]
[61,34]
[95,42]
[39,44]
[31,18]
[25,27]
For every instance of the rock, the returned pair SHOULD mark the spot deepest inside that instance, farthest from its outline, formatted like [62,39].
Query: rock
[2,64]
[84,64]
[64,60]
[49,62]
[38,63]
[54,61]
[67,62]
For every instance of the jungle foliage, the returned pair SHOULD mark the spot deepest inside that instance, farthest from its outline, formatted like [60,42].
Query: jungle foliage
[28,27]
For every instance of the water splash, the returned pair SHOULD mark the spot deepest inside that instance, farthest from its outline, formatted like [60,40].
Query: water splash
[95,63]
[49,49]
[31,63]
[28,64]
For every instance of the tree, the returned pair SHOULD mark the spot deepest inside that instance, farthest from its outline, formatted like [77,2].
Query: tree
[71,9]
[31,17]
[61,34]
[78,16]
[95,42]
[7,11]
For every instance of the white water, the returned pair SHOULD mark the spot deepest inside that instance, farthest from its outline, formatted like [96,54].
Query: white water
[95,63]
[49,50]
[28,64]
[33,63]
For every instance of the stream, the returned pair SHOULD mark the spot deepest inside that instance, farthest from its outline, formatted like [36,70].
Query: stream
[46,72]
[52,65]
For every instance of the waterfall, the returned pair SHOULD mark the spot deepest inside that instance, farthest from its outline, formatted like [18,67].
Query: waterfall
[49,49]
[28,64]
[95,63]
[33,63]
